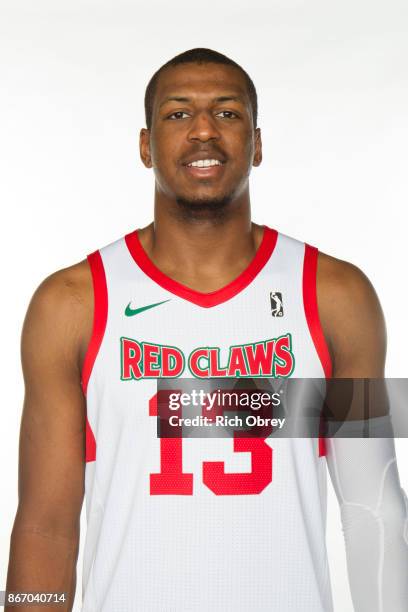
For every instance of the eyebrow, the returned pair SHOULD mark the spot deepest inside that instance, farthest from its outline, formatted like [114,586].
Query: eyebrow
[228,98]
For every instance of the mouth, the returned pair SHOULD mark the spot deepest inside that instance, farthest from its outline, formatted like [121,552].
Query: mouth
[205,167]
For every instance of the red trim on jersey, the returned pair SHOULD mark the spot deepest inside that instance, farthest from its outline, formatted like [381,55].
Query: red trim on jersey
[311,308]
[213,298]
[90,443]
[322,447]
[99,324]
[313,319]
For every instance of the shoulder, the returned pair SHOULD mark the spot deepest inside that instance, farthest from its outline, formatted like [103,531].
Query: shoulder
[68,288]
[343,280]
[350,313]
[60,312]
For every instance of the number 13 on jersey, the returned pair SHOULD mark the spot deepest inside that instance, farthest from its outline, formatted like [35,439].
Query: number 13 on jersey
[171,480]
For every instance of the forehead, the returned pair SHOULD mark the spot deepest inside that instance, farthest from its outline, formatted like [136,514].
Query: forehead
[194,80]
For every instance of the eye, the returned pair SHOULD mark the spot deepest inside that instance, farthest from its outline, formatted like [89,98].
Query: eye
[230,114]
[177,115]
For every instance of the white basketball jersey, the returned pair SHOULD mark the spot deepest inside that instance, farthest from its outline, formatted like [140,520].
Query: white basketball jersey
[201,524]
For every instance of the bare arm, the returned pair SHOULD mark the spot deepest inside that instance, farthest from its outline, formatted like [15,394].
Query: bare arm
[352,320]
[45,536]
[364,471]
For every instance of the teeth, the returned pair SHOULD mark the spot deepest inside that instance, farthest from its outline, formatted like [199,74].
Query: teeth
[205,163]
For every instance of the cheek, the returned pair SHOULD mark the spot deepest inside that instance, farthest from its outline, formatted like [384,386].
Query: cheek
[243,145]
[244,154]
[164,154]
[249,145]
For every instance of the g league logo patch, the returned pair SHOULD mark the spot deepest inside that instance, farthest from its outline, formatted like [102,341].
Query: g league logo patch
[276,304]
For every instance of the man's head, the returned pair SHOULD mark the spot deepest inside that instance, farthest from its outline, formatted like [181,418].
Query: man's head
[198,56]
[201,109]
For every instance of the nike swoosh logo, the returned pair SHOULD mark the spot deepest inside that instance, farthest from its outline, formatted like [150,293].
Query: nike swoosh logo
[130,312]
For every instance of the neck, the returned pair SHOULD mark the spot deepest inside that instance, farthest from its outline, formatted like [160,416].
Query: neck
[205,252]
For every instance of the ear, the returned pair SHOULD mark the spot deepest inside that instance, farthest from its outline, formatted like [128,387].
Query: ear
[144,147]
[258,148]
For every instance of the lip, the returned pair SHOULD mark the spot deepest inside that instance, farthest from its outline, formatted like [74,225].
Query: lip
[209,172]
[204,155]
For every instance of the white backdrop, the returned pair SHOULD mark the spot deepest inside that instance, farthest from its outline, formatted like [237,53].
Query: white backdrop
[333,96]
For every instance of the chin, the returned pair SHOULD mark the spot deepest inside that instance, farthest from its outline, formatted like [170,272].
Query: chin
[208,207]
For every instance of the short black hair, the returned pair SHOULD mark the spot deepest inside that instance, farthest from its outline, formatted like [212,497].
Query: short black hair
[198,55]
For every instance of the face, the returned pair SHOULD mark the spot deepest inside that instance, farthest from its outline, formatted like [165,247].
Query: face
[202,143]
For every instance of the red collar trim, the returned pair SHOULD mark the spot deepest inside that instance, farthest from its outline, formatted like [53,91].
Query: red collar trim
[213,298]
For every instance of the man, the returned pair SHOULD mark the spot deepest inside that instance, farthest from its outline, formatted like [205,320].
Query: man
[199,524]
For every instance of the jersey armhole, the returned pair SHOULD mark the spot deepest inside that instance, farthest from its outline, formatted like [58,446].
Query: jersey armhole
[313,320]
[100,316]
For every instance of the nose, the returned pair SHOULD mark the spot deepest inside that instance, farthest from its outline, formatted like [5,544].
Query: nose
[203,128]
